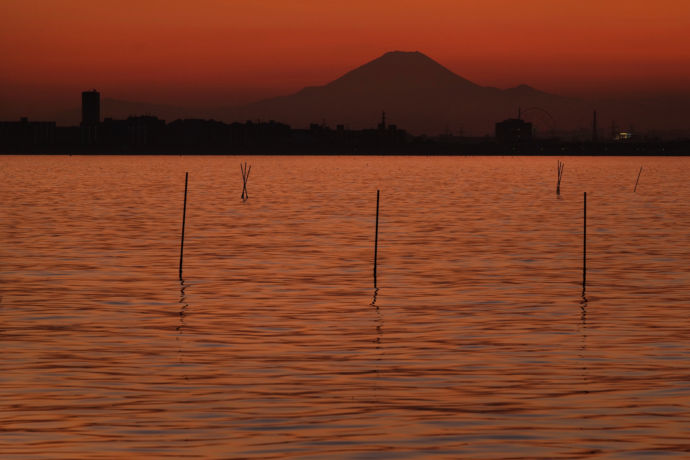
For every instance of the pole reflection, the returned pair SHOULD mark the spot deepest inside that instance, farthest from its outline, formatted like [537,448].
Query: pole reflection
[181,326]
[378,321]
[583,347]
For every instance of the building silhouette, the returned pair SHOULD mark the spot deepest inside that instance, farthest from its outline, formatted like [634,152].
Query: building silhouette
[514,130]
[90,116]
[25,133]
[382,125]
[90,107]
[151,135]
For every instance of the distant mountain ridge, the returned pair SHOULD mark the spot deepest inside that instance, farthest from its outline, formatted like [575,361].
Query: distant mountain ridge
[424,97]
[418,93]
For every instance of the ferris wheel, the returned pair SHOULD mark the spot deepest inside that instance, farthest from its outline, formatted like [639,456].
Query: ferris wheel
[542,121]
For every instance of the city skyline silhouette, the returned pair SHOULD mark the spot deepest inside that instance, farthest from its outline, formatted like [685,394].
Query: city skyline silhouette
[425,97]
[207,60]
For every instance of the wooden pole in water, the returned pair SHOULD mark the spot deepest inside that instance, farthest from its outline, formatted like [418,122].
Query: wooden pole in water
[638,180]
[584,246]
[245,178]
[184,216]
[376,237]
[558,179]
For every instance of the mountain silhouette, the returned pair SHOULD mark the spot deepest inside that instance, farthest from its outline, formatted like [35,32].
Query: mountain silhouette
[416,92]
[424,97]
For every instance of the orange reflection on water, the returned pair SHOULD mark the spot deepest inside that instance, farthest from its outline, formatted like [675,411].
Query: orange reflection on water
[477,344]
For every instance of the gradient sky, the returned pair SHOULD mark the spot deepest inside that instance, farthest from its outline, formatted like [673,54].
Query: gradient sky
[213,52]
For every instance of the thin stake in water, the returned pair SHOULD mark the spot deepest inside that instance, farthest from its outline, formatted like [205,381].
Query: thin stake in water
[561,165]
[584,246]
[184,216]
[376,237]
[638,180]
[245,178]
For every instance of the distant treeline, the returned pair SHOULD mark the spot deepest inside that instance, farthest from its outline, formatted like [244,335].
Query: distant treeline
[151,135]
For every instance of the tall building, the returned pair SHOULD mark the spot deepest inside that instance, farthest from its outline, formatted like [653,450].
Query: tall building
[90,107]
[90,116]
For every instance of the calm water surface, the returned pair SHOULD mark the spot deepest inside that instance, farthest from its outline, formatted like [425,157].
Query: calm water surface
[477,344]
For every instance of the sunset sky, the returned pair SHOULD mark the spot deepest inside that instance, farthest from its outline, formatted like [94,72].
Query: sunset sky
[215,52]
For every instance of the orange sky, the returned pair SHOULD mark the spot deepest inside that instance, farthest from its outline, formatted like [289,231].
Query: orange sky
[205,52]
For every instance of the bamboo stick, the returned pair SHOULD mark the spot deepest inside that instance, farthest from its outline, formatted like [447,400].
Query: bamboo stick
[584,246]
[376,237]
[561,165]
[638,180]
[184,217]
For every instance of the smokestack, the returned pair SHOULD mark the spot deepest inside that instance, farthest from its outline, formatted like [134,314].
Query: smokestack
[595,133]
